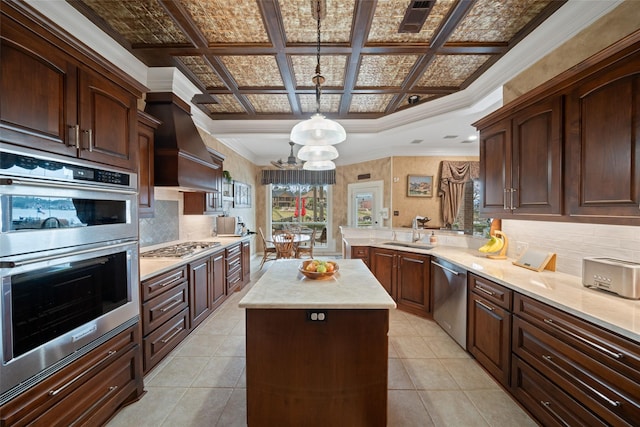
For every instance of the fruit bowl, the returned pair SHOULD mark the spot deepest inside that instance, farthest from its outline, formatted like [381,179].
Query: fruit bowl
[311,272]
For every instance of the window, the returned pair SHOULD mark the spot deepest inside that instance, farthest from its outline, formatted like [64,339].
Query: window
[469,220]
[301,206]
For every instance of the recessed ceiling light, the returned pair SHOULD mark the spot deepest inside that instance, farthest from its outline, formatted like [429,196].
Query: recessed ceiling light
[473,137]
[450,136]
[416,141]
[413,99]
[466,141]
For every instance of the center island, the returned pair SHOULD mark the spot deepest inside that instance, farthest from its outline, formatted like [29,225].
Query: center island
[317,350]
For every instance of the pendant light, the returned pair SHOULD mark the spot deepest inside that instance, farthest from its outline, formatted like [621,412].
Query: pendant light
[321,165]
[318,130]
[315,153]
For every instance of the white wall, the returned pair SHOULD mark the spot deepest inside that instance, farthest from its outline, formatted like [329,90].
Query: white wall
[572,242]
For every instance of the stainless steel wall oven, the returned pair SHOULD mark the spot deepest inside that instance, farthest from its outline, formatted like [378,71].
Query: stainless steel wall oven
[68,262]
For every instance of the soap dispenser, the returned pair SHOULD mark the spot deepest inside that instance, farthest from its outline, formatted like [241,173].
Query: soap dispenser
[433,239]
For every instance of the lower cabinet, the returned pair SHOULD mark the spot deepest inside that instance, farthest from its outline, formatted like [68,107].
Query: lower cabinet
[200,291]
[406,276]
[361,252]
[88,391]
[489,326]
[246,262]
[233,259]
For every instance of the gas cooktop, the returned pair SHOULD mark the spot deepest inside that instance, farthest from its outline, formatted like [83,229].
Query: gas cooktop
[180,250]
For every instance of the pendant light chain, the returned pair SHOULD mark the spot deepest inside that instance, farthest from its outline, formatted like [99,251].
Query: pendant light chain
[318,77]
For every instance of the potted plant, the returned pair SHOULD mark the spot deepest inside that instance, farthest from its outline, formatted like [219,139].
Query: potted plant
[227,176]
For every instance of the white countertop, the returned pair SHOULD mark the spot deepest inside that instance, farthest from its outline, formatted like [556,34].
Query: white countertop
[150,267]
[559,290]
[352,287]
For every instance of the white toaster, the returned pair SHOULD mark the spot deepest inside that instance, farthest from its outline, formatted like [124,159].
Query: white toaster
[612,275]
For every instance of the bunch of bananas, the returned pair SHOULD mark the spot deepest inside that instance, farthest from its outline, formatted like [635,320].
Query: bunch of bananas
[493,245]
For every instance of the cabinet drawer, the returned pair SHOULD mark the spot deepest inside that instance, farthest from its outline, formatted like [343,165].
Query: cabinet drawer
[616,352]
[55,389]
[163,307]
[159,284]
[591,382]
[164,339]
[360,252]
[548,403]
[233,251]
[233,266]
[96,400]
[492,291]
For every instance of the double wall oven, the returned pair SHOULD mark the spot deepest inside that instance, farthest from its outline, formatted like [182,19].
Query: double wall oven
[68,262]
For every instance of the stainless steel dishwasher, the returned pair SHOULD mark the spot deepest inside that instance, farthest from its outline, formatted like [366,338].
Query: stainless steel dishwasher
[450,299]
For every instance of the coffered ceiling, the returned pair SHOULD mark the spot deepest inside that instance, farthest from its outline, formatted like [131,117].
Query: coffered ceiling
[254,59]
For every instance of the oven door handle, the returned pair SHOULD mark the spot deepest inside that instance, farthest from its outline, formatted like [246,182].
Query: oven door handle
[65,186]
[14,264]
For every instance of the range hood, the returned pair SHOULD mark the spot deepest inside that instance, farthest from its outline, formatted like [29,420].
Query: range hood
[181,158]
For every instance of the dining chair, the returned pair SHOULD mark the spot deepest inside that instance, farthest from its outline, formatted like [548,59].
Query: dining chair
[285,246]
[305,249]
[269,253]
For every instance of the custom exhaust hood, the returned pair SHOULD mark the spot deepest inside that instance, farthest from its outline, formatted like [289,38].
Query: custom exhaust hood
[181,158]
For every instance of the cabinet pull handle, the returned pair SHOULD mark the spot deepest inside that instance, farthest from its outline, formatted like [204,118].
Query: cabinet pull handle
[110,391]
[169,280]
[481,289]
[76,136]
[547,406]
[483,305]
[582,339]
[504,199]
[445,268]
[176,332]
[511,191]
[550,360]
[173,302]
[54,392]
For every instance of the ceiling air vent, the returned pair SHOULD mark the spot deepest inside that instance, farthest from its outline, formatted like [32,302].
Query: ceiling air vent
[415,16]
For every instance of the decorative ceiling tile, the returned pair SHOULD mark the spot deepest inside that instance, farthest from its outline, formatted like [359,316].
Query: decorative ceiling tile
[144,21]
[451,70]
[270,103]
[254,70]
[369,103]
[198,66]
[496,20]
[227,21]
[389,70]
[332,67]
[226,104]
[329,103]
[300,25]
[389,15]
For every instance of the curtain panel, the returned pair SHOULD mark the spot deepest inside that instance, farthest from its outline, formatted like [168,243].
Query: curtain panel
[453,175]
[298,176]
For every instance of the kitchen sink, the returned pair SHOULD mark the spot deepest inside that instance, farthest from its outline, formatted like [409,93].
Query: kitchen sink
[409,245]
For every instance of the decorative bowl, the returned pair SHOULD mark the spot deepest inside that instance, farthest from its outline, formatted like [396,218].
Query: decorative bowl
[317,275]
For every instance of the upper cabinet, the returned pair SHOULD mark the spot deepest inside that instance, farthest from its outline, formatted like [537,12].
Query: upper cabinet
[570,149]
[146,198]
[201,203]
[52,101]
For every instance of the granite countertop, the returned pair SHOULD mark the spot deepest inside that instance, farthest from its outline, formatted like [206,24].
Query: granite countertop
[559,290]
[352,287]
[150,267]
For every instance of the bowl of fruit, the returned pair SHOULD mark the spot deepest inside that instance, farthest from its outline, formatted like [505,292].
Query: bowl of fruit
[318,269]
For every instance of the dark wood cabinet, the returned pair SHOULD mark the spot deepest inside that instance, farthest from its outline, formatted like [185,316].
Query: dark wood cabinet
[53,102]
[521,162]
[218,276]
[233,262]
[361,252]
[405,276]
[246,262]
[597,368]
[201,203]
[603,138]
[86,392]
[200,291]
[489,326]
[146,199]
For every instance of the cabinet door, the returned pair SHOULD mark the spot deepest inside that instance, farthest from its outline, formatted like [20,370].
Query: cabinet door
[200,297]
[107,122]
[38,86]
[413,282]
[489,336]
[246,262]
[146,198]
[495,167]
[537,159]
[383,266]
[603,152]
[217,278]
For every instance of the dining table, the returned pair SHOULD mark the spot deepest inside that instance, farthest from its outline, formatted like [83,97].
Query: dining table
[280,241]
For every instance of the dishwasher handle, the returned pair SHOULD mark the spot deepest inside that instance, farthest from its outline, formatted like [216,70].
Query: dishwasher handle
[445,268]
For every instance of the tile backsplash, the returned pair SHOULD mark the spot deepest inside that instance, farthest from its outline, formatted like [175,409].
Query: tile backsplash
[163,227]
[572,241]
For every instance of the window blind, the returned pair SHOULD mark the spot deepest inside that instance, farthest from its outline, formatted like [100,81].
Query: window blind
[298,176]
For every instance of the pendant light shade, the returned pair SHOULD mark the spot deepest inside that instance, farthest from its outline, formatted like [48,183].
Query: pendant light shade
[316,153]
[321,165]
[318,130]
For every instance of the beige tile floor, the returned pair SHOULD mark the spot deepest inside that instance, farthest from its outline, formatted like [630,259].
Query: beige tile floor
[432,381]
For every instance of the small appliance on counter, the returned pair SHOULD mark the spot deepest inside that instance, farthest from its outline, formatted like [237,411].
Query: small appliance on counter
[612,275]
[227,226]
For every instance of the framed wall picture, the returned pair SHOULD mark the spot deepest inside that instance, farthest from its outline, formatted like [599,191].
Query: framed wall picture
[420,185]
[241,195]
